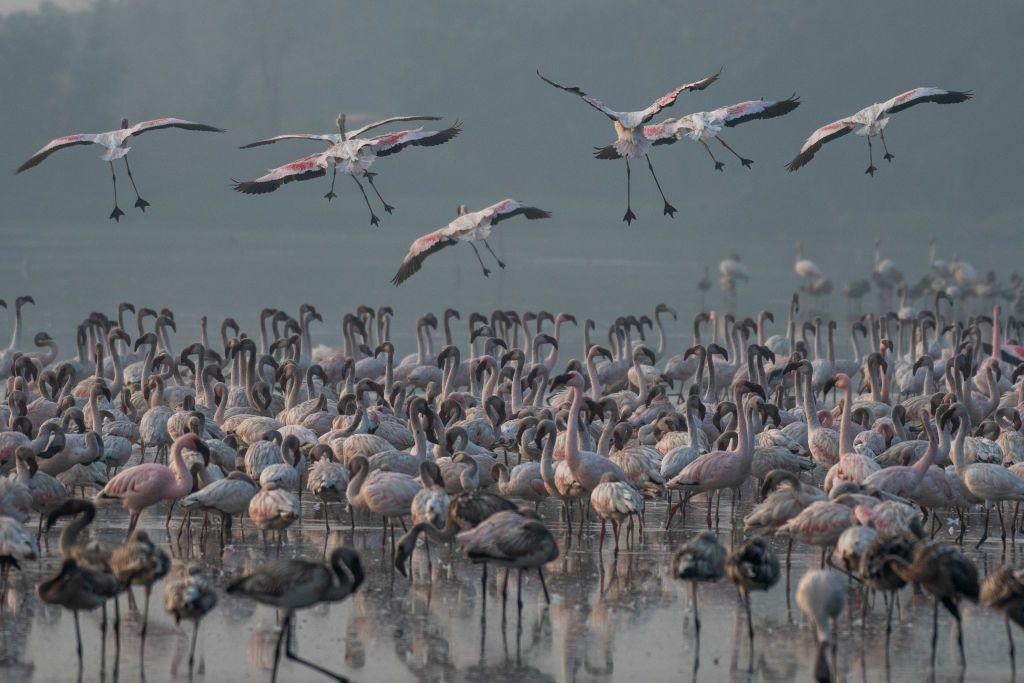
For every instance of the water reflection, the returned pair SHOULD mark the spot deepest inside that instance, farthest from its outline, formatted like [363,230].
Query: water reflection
[611,618]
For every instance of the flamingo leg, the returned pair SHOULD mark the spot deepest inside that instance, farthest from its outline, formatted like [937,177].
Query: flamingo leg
[277,646]
[750,624]
[871,159]
[630,216]
[374,219]
[746,162]
[984,534]
[117,212]
[888,157]
[334,176]
[78,638]
[547,598]
[696,612]
[192,647]
[718,164]
[369,178]
[145,624]
[501,264]
[1002,524]
[670,210]
[140,203]
[600,542]
[615,529]
[1013,650]
[476,251]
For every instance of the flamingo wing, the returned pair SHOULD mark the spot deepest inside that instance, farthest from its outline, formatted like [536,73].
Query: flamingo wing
[742,112]
[508,208]
[826,133]
[921,95]
[313,166]
[159,124]
[392,143]
[669,98]
[419,251]
[394,119]
[592,101]
[329,138]
[55,145]
[668,131]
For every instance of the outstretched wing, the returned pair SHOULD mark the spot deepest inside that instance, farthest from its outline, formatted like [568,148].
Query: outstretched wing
[158,124]
[668,99]
[921,95]
[392,143]
[509,208]
[668,131]
[394,119]
[828,133]
[313,166]
[329,138]
[52,146]
[419,250]
[592,101]
[736,114]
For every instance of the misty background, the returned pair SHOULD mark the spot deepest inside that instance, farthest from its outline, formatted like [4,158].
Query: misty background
[263,67]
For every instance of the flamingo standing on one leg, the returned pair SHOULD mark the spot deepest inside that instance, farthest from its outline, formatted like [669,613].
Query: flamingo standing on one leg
[629,129]
[114,143]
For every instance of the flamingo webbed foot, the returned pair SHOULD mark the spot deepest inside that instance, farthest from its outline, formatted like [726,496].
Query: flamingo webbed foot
[141,204]
[330,195]
[629,217]
[374,220]
[888,157]
[746,162]
[389,208]
[719,166]
[116,213]
[670,210]
[871,170]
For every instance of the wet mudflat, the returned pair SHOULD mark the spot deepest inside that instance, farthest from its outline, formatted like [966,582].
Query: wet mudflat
[613,618]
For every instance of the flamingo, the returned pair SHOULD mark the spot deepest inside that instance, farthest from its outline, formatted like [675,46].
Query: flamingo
[468,227]
[631,143]
[1003,590]
[616,501]
[706,125]
[113,141]
[138,561]
[822,597]
[16,543]
[189,596]
[752,566]
[353,153]
[77,588]
[871,121]
[295,584]
[702,560]
[147,484]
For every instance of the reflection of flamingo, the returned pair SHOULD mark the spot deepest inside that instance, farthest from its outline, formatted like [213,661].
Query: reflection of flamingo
[295,584]
[147,484]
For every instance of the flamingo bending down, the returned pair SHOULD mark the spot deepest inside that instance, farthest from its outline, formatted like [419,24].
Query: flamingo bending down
[822,597]
[702,126]
[149,483]
[871,121]
[467,227]
[114,143]
[354,154]
[631,143]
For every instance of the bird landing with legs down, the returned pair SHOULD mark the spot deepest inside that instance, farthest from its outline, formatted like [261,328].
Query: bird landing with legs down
[113,141]
[354,154]
[631,143]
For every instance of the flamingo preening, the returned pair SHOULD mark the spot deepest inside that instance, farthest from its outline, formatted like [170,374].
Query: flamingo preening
[467,227]
[114,143]
[354,154]
[702,126]
[631,142]
[871,121]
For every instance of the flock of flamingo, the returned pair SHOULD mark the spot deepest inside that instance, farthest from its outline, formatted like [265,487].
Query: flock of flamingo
[486,443]
[355,152]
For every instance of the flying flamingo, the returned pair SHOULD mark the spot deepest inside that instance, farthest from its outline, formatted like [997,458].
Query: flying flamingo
[114,143]
[702,126]
[468,227]
[871,121]
[149,483]
[354,154]
[631,143]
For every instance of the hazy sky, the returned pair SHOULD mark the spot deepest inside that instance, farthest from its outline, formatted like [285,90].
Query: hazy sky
[260,67]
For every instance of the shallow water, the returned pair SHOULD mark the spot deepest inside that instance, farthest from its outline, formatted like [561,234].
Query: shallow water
[610,618]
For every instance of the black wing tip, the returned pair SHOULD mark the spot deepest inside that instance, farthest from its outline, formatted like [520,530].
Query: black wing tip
[533,213]
[795,165]
[608,152]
